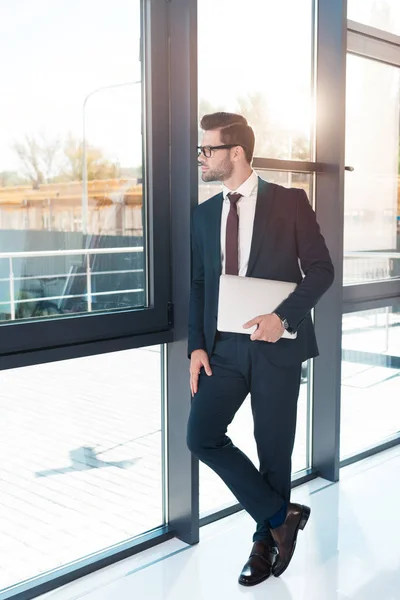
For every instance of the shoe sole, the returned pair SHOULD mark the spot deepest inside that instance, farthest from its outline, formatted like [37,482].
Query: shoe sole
[305,515]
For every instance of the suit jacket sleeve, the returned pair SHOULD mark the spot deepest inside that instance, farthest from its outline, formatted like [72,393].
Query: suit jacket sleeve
[315,262]
[196,340]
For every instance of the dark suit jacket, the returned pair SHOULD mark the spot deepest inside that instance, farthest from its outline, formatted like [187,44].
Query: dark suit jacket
[285,230]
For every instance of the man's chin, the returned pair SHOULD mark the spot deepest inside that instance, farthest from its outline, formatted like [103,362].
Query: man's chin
[207,176]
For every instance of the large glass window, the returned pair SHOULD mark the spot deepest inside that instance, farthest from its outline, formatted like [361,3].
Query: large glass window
[81,459]
[372,197]
[370,409]
[382,14]
[72,234]
[255,58]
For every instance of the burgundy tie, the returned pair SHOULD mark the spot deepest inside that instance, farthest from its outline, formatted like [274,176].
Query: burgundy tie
[232,235]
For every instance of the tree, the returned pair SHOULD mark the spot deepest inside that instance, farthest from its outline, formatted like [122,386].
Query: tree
[97,166]
[206,107]
[301,147]
[11,178]
[271,142]
[50,161]
[256,110]
[38,157]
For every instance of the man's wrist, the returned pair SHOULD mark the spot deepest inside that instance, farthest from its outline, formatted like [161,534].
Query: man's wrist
[196,350]
[283,320]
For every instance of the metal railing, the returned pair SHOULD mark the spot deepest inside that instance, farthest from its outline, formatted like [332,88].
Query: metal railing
[86,253]
[361,267]
[358,267]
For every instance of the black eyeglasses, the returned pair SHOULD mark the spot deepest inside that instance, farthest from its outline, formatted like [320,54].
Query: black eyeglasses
[208,150]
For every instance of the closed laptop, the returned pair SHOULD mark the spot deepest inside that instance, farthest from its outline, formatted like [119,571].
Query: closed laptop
[244,298]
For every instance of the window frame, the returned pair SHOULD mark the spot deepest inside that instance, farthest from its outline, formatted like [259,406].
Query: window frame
[20,336]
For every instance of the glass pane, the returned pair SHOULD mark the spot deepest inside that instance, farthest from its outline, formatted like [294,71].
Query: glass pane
[214,495]
[255,58]
[383,14]
[81,466]
[71,168]
[370,409]
[372,192]
[302,181]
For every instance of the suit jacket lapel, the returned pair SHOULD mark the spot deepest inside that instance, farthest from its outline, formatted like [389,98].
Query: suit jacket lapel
[261,218]
[215,232]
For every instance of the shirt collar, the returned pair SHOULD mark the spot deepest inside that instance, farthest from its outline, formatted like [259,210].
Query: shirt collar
[246,189]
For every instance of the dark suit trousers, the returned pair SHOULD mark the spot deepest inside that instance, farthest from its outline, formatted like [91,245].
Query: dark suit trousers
[241,366]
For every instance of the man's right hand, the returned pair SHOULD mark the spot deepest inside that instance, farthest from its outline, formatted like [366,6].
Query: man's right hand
[198,359]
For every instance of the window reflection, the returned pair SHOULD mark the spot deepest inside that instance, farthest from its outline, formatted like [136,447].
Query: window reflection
[81,447]
[71,168]
[372,190]
[370,408]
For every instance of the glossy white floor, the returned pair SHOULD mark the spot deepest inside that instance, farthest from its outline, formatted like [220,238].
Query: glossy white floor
[349,550]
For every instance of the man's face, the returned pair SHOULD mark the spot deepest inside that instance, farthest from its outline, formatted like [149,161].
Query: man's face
[219,166]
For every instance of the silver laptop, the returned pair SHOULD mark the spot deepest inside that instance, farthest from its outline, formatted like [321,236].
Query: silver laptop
[243,298]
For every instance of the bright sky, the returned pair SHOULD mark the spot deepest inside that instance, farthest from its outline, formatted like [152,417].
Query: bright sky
[56,52]
[258,46]
[383,14]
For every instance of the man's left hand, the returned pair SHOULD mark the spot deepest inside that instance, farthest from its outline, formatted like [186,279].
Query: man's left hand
[269,328]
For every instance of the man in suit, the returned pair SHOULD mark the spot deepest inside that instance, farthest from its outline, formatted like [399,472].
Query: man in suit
[255,229]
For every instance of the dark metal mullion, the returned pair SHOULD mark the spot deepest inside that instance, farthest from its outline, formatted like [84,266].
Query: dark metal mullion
[16,337]
[68,352]
[156,96]
[294,166]
[361,305]
[157,148]
[317,168]
[183,468]
[391,442]
[372,359]
[46,583]
[164,434]
[372,49]
[330,149]
[365,293]
[373,33]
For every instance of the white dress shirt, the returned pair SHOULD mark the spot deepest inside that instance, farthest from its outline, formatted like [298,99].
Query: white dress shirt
[246,208]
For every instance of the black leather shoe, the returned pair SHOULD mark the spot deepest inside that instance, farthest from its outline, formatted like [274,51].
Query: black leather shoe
[259,566]
[285,536]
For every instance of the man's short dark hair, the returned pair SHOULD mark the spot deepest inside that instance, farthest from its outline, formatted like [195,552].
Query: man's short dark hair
[234,130]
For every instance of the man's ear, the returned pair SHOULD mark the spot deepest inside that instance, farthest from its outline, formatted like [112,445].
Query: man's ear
[238,152]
